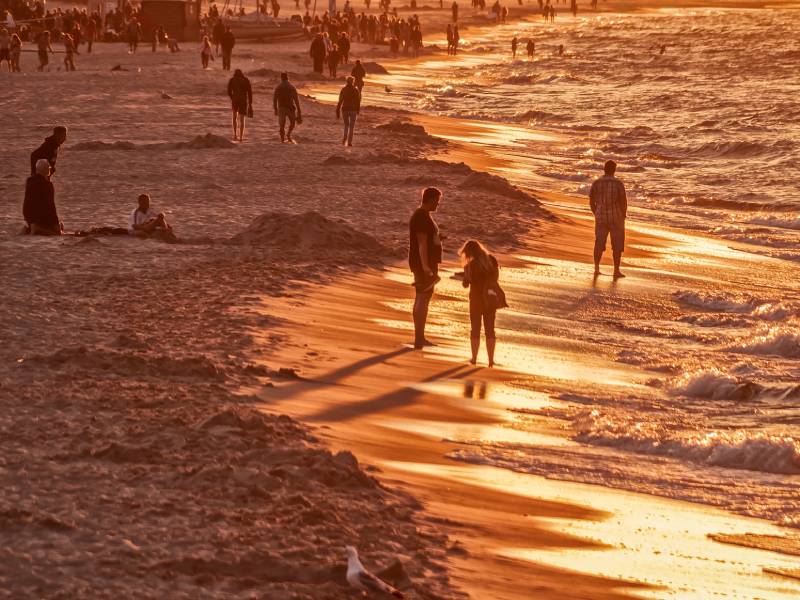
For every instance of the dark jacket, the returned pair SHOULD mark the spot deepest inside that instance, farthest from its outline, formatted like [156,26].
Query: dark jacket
[285,96]
[317,49]
[39,205]
[48,150]
[227,40]
[349,99]
[359,73]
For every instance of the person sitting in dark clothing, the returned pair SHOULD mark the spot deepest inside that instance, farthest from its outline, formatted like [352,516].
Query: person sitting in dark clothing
[39,206]
[49,149]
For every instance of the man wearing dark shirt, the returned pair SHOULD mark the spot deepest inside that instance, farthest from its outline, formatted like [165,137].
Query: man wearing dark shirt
[49,149]
[241,94]
[39,207]
[358,73]
[227,41]
[348,107]
[287,106]
[424,256]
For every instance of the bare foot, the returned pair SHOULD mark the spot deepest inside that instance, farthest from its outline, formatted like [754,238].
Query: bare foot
[618,275]
[473,361]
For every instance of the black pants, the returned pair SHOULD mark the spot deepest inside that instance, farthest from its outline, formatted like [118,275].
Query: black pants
[226,59]
[478,313]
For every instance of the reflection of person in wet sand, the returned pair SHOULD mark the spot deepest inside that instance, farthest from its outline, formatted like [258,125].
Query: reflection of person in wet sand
[609,204]
[39,206]
[241,94]
[481,273]
[424,256]
[145,222]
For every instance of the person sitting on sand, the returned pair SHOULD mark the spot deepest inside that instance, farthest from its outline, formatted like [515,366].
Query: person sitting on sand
[481,273]
[348,108]
[424,256]
[49,149]
[145,222]
[39,206]
[241,94]
[287,106]
[609,205]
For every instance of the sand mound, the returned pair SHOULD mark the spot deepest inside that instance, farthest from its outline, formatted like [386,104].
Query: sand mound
[202,142]
[129,364]
[405,128]
[374,68]
[100,145]
[310,233]
[495,185]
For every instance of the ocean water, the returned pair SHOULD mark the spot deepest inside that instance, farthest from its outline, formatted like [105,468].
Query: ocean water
[687,386]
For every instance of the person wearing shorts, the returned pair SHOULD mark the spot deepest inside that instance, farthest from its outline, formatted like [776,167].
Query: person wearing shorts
[241,94]
[287,107]
[609,205]
[424,256]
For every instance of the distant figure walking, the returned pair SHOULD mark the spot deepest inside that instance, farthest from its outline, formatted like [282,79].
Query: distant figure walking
[481,275]
[449,38]
[227,42]
[359,73]
[456,39]
[39,206]
[514,44]
[454,9]
[609,205]
[145,222]
[43,47]
[333,61]
[317,52]
[348,107]
[424,256]
[69,52]
[206,52]
[134,29]
[287,106]
[531,48]
[16,52]
[5,49]
[241,95]
[49,149]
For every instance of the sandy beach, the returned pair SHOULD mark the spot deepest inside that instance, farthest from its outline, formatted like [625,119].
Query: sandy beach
[218,418]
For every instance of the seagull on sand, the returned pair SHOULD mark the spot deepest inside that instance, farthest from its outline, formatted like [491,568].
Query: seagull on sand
[363,580]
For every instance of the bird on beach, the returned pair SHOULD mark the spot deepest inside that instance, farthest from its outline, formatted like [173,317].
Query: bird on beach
[165,96]
[361,579]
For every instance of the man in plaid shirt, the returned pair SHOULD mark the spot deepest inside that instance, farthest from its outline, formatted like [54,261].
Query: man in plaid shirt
[610,207]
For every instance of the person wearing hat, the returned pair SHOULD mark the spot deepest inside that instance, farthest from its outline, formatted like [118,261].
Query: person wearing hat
[49,149]
[287,106]
[241,94]
[39,206]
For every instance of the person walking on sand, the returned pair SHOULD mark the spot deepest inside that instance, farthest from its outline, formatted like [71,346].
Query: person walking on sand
[227,42]
[241,94]
[481,275]
[134,30]
[609,205]
[333,61]
[449,39]
[454,9]
[5,49]
[514,44]
[424,256]
[287,106]
[43,47]
[531,48]
[359,73]
[206,52]
[145,222]
[16,52]
[39,206]
[456,39]
[49,149]
[69,52]
[348,107]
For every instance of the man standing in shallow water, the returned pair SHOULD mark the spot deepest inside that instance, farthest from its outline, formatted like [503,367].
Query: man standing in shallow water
[424,256]
[609,204]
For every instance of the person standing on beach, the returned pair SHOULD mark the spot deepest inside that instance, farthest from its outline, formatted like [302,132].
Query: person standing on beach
[5,49]
[69,52]
[359,73]
[348,107]
[49,149]
[317,52]
[456,39]
[134,29]
[609,205]
[39,206]
[424,256]
[454,8]
[530,47]
[287,106]
[16,51]
[449,39]
[206,53]
[43,45]
[514,44]
[241,94]
[227,42]
[481,275]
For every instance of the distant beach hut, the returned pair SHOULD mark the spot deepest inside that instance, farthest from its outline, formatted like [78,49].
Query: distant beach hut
[180,18]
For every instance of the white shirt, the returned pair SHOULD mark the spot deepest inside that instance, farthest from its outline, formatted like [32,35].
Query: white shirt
[139,217]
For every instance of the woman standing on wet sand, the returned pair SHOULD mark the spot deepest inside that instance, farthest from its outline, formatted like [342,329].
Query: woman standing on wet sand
[206,52]
[481,274]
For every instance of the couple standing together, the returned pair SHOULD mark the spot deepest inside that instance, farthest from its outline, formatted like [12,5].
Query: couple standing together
[608,203]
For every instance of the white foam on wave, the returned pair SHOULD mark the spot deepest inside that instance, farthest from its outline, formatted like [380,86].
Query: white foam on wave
[730,449]
[740,304]
[775,341]
[715,385]
[783,222]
